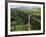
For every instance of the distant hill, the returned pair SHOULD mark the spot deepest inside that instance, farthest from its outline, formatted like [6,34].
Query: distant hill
[34,8]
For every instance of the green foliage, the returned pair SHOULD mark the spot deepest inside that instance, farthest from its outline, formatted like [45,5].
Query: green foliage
[19,28]
[35,25]
[18,18]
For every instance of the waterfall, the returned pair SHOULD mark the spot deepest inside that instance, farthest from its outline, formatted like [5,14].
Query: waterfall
[29,26]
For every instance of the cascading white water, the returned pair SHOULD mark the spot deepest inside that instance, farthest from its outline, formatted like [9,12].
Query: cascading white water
[29,26]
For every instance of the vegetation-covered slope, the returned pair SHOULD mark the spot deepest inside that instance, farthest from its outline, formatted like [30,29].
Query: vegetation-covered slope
[19,19]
